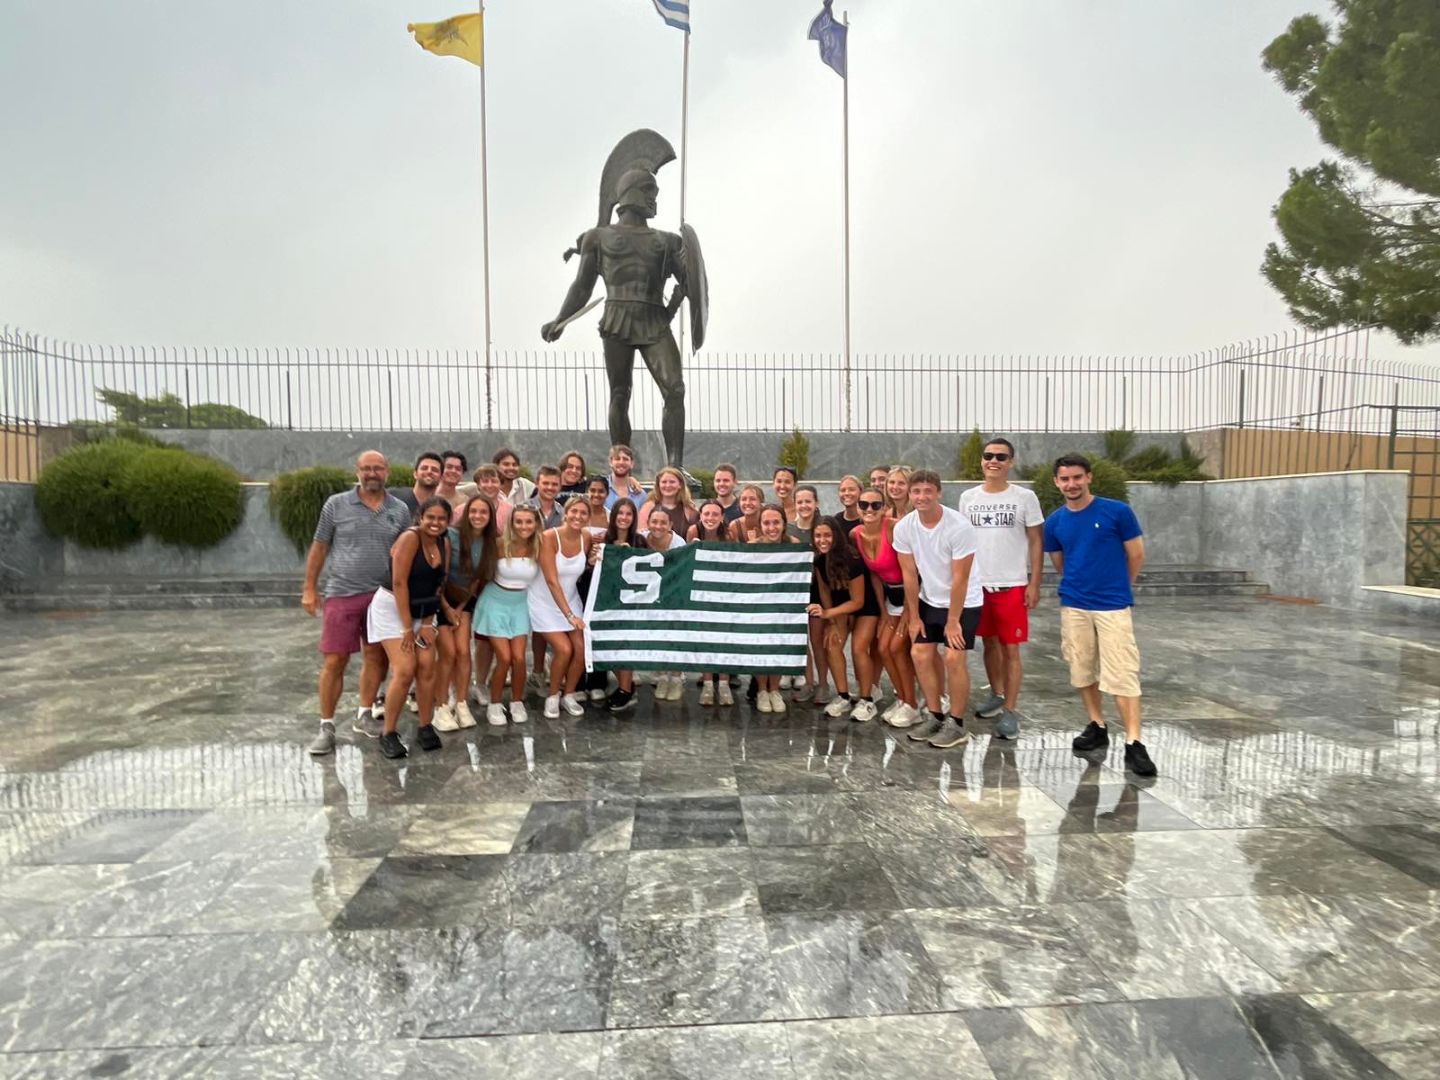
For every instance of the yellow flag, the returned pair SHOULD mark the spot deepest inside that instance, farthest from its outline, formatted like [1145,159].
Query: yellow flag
[462,36]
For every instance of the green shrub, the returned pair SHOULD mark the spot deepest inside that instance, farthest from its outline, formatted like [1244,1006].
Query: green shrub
[706,477]
[401,476]
[296,499]
[967,459]
[183,498]
[1119,444]
[1107,481]
[86,432]
[80,498]
[795,452]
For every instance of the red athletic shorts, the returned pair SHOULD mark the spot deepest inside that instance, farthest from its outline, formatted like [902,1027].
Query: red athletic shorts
[1004,616]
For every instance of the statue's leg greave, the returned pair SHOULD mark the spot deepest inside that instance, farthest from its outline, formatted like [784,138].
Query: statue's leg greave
[620,370]
[663,360]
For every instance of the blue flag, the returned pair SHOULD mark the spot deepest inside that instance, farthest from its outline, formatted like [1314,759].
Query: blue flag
[676,13]
[831,35]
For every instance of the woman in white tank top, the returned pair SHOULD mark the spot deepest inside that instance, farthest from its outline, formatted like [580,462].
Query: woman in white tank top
[555,605]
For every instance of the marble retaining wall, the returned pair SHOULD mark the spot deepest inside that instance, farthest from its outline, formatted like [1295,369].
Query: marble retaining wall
[1323,537]
[262,455]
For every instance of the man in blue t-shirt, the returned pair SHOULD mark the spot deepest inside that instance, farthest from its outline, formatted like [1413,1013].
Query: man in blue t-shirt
[1097,548]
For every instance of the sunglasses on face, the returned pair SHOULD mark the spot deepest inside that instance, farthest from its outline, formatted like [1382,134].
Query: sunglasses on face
[988,456]
[869,504]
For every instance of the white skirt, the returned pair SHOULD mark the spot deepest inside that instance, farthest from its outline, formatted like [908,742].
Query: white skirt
[382,620]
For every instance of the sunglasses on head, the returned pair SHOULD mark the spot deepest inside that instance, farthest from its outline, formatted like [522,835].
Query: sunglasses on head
[869,504]
[989,456]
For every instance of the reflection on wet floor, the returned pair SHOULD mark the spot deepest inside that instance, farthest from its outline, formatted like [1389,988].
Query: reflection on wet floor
[704,892]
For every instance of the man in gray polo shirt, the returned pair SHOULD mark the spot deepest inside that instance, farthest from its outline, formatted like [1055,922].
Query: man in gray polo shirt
[355,532]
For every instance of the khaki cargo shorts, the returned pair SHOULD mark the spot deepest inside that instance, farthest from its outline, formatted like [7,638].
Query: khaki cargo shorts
[1100,648]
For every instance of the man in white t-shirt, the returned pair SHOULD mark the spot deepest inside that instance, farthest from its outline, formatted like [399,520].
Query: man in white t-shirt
[1009,556]
[936,546]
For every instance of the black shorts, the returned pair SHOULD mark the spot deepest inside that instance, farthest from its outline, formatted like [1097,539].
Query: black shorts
[932,620]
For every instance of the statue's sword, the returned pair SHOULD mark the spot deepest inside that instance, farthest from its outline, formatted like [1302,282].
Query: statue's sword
[588,307]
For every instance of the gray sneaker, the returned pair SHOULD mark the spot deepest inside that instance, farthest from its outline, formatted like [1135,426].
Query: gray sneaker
[949,734]
[1008,726]
[923,731]
[325,741]
[369,725]
[992,707]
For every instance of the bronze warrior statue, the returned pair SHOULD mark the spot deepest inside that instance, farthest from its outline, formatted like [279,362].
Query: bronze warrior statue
[635,261]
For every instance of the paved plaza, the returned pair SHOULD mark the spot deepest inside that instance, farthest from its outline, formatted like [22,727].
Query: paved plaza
[719,893]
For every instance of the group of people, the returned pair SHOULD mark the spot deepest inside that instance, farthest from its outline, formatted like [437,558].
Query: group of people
[446,584]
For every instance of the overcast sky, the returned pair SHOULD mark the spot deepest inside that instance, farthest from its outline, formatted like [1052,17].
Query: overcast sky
[1038,177]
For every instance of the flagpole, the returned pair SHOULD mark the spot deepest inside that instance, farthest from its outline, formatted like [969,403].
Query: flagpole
[845,112]
[684,157]
[485,219]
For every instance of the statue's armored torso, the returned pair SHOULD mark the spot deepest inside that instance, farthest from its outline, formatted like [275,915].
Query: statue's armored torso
[635,264]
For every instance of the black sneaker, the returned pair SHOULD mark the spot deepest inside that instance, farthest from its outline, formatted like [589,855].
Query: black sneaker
[620,700]
[1137,759]
[752,692]
[391,746]
[428,737]
[1094,737]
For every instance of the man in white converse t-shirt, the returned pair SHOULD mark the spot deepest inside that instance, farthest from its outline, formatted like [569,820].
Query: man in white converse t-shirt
[1009,528]
[936,546]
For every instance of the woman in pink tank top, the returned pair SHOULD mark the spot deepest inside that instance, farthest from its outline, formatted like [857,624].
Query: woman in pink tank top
[873,540]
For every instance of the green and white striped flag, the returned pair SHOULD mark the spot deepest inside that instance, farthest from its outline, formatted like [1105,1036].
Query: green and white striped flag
[702,607]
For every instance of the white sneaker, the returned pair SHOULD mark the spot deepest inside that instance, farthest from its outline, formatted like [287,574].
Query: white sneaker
[552,707]
[888,713]
[762,701]
[444,719]
[864,711]
[787,681]
[777,703]
[675,688]
[461,712]
[413,703]
[723,692]
[482,695]
[906,716]
[707,693]
[571,704]
[598,696]
[837,708]
[535,682]
[518,715]
[495,715]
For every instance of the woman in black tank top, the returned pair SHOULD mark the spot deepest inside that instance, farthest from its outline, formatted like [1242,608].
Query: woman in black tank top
[419,564]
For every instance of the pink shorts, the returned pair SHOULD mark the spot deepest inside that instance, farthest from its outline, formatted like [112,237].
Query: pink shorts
[342,624]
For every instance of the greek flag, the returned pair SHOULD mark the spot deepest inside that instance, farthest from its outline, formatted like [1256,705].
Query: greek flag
[702,607]
[832,34]
[675,12]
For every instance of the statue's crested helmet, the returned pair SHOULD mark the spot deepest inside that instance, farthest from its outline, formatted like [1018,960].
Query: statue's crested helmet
[636,190]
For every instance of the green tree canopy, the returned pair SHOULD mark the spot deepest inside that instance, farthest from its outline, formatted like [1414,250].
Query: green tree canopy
[1360,237]
[168,411]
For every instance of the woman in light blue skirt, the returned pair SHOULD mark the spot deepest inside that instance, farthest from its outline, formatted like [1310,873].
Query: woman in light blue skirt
[503,614]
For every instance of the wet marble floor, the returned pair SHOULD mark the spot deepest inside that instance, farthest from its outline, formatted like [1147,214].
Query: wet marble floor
[721,893]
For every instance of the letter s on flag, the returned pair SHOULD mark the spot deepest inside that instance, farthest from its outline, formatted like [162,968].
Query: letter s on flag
[642,570]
